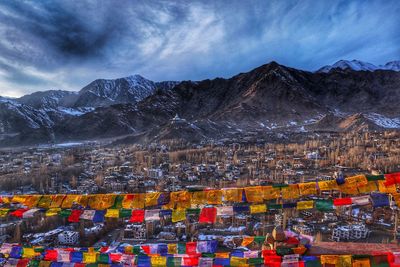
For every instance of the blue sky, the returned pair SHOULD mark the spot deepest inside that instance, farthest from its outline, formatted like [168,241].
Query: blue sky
[67,44]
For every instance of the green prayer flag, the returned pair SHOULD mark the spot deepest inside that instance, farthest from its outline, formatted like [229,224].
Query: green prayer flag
[192,211]
[274,206]
[174,261]
[103,258]
[254,261]
[118,202]
[34,263]
[313,263]
[125,213]
[181,248]
[280,185]
[324,205]
[208,255]
[375,177]
[259,239]
[65,213]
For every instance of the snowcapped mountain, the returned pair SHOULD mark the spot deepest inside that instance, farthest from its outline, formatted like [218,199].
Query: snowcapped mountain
[270,98]
[358,65]
[130,89]
[392,65]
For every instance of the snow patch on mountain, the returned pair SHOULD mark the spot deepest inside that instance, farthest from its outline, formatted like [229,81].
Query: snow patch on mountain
[383,121]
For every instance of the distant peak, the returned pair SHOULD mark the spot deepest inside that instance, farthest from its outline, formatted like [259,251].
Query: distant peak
[358,65]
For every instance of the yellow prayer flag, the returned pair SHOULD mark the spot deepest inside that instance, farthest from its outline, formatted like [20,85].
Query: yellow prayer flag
[112,213]
[89,257]
[358,179]
[232,194]
[361,262]
[386,189]
[223,255]
[214,197]
[344,261]
[28,253]
[151,199]
[172,249]
[52,212]
[308,188]
[101,202]
[258,208]
[69,200]
[328,185]
[237,261]
[305,205]
[270,192]
[199,198]
[159,261]
[247,240]
[3,212]
[329,259]
[18,199]
[254,194]
[32,200]
[178,215]
[56,201]
[369,187]
[135,201]
[179,200]
[290,192]
[44,202]
[43,263]
[349,187]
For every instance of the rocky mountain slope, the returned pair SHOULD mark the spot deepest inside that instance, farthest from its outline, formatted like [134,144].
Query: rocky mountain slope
[269,98]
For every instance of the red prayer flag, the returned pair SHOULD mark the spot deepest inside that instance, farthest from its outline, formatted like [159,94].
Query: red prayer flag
[50,255]
[208,215]
[392,178]
[137,216]
[268,252]
[342,201]
[191,247]
[23,262]
[75,214]
[18,213]
[292,240]
[103,249]
[146,249]
[191,261]
[79,265]
[115,257]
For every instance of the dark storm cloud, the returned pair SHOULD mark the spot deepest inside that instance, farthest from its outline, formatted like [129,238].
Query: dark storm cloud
[65,44]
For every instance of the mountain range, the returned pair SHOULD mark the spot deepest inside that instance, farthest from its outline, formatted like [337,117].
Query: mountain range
[346,96]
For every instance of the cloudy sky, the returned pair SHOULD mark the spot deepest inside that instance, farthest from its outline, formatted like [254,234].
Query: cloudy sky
[66,44]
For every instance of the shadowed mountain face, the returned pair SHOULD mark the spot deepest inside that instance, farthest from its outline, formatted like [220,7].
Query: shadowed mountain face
[271,97]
